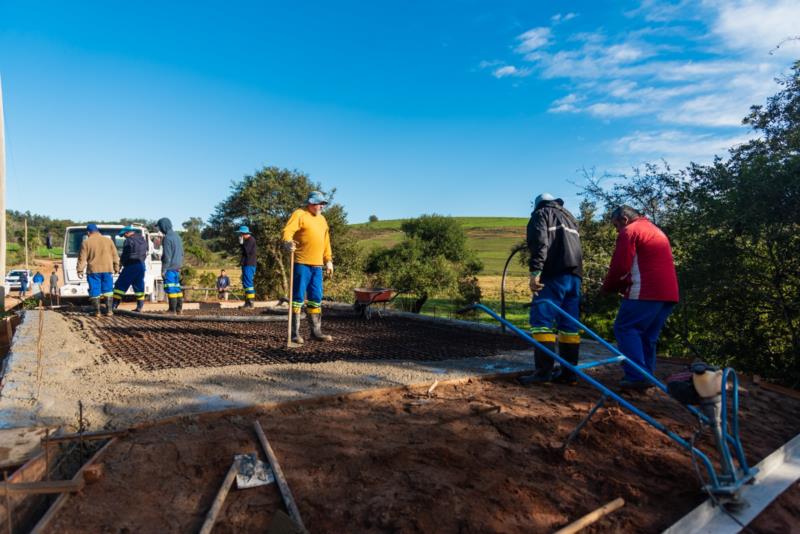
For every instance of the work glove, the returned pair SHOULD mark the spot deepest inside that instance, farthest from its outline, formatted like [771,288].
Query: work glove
[535,284]
[329,268]
[289,246]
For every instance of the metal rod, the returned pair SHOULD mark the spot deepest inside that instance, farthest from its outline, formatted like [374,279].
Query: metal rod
[8,503]
[47,454]
[647,418]
[599,404]
[598,363]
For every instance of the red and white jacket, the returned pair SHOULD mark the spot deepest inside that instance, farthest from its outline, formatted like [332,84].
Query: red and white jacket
[642,266]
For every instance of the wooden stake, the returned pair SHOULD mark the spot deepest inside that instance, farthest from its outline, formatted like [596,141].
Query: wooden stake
[8,503]
[283,486]
[43,488]
[219,500]
[590,518]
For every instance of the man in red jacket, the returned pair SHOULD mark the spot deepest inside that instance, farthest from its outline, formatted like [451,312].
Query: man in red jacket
[642,269]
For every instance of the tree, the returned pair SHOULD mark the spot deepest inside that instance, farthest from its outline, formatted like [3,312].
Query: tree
[735,230]
[433,258]
[373,218]
[264,201]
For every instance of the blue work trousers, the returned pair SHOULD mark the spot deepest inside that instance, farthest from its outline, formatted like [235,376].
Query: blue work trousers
[564,291]
[172,284]
[307,283]
[131,275]
[100,284]
[637,327]
[248,277]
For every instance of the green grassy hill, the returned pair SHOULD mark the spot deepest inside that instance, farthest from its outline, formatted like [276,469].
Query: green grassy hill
[491,237]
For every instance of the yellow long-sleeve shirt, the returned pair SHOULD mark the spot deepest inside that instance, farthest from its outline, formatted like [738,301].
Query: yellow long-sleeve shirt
[312,236]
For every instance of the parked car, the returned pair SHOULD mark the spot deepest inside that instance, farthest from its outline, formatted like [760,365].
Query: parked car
[12,278]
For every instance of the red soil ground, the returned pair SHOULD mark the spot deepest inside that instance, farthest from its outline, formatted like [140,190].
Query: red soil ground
[476,457]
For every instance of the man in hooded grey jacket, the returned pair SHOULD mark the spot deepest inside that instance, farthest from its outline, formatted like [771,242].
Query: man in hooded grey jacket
[171,263]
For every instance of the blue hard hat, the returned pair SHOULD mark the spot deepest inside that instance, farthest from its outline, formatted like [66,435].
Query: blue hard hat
[127,229]
[315,197]
[542,198]
[243,229]
[91,227]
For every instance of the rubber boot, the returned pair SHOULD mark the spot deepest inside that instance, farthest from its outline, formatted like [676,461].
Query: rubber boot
[296,338]
[116,304]
[139,306]
[315,321]
[109,306]
[179,305]
[544,366]
[248,303]
[570,352]
[173,303]
[96,305]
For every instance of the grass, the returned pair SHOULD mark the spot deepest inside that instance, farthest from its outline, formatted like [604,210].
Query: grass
[466,222]
[516,311]
[492,238]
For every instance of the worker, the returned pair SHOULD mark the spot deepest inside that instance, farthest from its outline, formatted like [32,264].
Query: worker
[643,271]
[134,254]
[38,281]
[223,283]
[23,284]
[98,256]
[54,296]
[556,268]
[247,244]
[307,234]
[171,263]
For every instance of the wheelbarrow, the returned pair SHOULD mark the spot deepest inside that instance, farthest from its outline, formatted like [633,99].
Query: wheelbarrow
[367,296]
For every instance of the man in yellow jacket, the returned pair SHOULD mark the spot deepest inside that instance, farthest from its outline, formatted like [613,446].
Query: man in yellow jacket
[308,235]
[99,257]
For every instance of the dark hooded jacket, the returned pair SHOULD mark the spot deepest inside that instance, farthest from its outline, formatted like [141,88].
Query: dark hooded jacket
[172,258]
[553,240]
[134,250]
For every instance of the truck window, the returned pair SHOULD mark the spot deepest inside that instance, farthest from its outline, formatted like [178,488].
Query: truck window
[75,237]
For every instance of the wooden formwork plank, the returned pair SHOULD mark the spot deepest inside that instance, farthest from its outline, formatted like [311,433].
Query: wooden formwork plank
[62,499]
[776,473]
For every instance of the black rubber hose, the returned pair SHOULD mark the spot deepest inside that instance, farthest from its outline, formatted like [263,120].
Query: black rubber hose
[503,281]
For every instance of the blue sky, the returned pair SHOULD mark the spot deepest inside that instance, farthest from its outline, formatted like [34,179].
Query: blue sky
[152,109]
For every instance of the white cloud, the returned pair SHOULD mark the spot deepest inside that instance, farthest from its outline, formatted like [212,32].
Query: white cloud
[690,70]
[565,104]
[558,17]
[510,70]
[533,39]
[609,110]
[487,64]
[758,26]
[676,146]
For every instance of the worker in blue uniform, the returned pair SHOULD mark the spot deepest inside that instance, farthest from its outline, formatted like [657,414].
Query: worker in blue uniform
[171,263]
[134,254]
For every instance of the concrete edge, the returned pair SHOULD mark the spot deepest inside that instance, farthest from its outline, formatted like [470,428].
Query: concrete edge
[10,359]
[777,472]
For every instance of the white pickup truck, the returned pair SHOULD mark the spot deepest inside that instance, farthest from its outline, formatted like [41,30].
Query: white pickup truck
[74,287]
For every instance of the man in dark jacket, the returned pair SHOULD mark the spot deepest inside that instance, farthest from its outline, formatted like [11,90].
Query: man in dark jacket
[171,263]
[134,254]
[248,245]
[556,268]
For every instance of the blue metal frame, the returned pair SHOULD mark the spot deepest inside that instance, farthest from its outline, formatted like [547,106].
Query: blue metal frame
[727,483]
